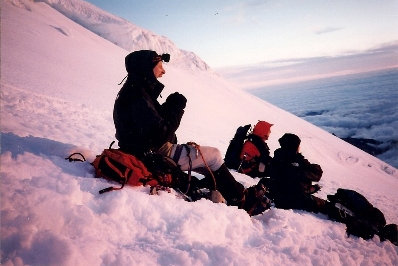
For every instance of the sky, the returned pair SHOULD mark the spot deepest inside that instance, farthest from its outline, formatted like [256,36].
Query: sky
[235,33]
[58,85]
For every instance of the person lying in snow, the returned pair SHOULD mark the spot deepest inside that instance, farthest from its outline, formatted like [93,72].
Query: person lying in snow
[143,125]
[255,158]
[291,177]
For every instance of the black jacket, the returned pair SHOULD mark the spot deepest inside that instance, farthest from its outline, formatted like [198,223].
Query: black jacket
[291,173]
[141,123]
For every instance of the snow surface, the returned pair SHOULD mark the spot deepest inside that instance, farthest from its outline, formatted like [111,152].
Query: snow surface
[58,84]
[122,32]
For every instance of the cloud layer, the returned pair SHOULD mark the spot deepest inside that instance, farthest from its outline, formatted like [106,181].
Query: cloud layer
[359,106]
[292,70]
[327,30]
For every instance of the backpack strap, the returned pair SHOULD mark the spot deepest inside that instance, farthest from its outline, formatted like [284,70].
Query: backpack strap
[110,145]
[71,159]
[102,191]
[260,145]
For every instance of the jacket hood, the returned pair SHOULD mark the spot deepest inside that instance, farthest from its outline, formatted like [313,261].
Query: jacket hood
[139,66]
[141,63]
[261,128]
[290,142]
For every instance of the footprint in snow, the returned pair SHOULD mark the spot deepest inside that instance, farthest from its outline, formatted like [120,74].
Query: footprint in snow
[389,170]
[349,159]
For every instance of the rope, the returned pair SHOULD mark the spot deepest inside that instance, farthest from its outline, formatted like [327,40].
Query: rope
[197,147]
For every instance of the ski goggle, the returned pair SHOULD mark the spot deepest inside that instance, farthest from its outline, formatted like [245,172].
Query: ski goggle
[163,57]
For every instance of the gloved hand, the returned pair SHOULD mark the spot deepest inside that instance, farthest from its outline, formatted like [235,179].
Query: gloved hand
[176,100]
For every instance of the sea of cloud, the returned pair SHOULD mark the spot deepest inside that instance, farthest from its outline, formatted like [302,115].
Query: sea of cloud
[359,106]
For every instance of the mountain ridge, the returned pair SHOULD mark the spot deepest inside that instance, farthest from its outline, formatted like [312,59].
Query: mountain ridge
[128,36]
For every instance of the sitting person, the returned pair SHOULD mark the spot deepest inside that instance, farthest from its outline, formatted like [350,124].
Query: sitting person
[255,158]
[143,125]
[291,177]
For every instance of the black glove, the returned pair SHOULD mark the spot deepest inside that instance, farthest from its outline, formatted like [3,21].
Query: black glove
[176,100]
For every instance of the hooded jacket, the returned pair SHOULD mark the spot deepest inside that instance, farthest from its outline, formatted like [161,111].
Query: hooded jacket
[291,173]
[141,123]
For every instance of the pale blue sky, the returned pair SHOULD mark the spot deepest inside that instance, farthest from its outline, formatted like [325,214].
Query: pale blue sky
[231,33]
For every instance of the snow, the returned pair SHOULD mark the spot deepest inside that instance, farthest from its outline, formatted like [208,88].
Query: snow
[58,84]
[122,32]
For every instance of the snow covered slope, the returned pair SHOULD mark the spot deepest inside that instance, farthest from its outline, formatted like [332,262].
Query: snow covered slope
[58,84]
[124,33]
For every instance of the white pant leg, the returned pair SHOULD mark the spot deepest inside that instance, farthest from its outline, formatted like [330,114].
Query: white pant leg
[211,155]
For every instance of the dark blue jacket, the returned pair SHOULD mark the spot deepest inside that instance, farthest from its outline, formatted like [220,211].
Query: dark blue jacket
[141,123]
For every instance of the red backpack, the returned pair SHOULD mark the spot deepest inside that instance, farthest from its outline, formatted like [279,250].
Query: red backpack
[154,170]
[124,168]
